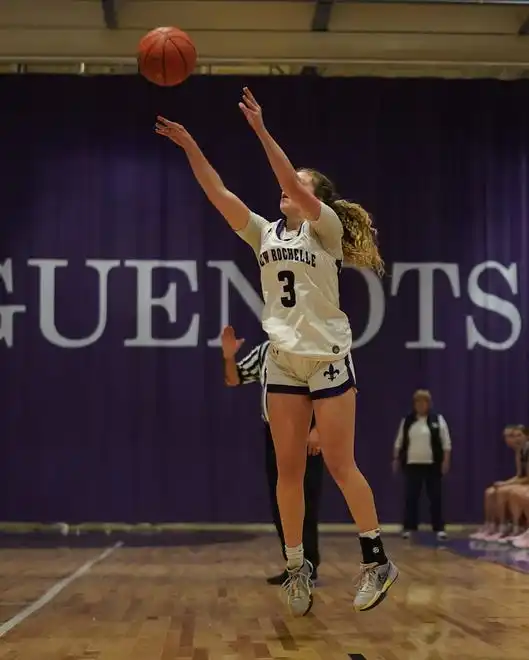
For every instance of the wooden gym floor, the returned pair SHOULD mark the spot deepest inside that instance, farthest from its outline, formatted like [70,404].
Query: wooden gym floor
[201,600]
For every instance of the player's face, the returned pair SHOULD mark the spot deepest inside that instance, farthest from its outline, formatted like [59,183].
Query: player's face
[421,405]
[286,205]
[508,436]
[518,438]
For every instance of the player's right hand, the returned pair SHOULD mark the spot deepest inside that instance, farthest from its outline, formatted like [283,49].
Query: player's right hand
[230,343]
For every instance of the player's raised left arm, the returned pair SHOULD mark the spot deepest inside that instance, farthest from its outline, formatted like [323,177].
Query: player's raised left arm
[283,169]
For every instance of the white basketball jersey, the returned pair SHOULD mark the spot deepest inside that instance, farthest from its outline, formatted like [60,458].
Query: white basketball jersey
[299,280]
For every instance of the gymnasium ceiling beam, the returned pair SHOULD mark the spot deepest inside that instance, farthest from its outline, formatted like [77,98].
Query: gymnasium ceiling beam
[322,15]
[524,28]
[110,13]
[320,23]
[477,3]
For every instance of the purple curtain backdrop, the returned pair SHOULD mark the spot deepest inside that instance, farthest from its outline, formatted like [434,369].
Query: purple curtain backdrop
[110,431]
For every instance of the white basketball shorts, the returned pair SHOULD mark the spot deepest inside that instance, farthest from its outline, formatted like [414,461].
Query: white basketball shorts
[287,373]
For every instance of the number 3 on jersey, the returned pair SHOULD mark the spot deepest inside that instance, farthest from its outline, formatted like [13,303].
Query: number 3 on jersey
[287,279]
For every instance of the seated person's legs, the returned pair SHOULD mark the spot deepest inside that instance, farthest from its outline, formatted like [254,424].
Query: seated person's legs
[522,541]
[491,519]
[503,512]
[513,507]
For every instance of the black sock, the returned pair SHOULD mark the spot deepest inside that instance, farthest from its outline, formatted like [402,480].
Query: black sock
[372,550]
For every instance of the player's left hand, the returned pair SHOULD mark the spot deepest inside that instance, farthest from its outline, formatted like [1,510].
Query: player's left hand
[175,132]
[251,110]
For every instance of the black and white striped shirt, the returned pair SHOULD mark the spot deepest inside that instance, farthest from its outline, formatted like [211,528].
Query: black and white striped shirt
[252,369]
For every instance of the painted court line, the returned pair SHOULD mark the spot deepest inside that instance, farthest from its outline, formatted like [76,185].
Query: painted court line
[55,591]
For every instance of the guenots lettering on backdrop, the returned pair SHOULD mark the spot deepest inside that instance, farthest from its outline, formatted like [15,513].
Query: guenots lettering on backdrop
[232,278]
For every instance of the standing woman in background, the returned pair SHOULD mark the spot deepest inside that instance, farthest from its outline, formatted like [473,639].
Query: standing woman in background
[309,363]
[422,450]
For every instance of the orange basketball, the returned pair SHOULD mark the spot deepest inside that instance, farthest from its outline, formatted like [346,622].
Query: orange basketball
[166,56]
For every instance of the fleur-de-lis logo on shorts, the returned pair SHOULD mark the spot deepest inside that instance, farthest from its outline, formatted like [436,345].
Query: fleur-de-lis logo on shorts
[331,373]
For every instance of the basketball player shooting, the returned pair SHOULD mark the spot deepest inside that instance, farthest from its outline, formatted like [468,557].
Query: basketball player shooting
[309,362]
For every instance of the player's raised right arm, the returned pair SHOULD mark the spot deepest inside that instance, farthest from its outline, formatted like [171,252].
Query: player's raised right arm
[227,204]
[234,210]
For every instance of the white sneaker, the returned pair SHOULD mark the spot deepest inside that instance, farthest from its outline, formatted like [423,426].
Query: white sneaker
[522,541]
[298,586]
[481,533]
[373,584]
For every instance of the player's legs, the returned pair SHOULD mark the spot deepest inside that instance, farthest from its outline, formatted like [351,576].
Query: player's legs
[514,507]
[497,512]
[271,477]
[290,412]
[489,505]
[290,416]
[524,500]
[289,421]
[335,410]
[522,541]
[491,515]
[335,418]
[312,487]
[503,508]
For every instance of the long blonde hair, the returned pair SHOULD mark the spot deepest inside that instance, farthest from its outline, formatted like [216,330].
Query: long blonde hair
[359,242]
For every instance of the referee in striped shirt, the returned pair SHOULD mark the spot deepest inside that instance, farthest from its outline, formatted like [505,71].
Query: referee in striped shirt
[250,370]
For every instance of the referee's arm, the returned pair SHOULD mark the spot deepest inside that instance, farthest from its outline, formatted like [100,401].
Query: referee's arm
[247,370]
[231,373]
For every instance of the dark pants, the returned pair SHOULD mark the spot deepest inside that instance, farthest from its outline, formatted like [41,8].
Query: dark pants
[312,487]
[415,475]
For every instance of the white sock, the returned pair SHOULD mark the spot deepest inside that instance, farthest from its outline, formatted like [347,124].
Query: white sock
[371,534]
[295,557]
